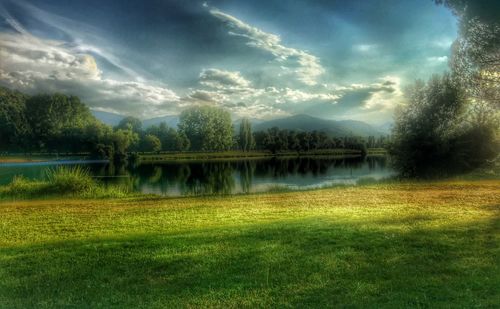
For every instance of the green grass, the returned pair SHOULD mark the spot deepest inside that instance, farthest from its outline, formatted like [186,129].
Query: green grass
[62,181]
[385,245]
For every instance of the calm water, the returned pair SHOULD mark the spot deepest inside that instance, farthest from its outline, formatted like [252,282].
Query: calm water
[227,177]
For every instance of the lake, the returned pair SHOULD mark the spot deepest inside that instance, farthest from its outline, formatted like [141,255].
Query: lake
[221,177]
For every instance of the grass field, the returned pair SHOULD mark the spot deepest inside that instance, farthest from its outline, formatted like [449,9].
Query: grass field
[385,245]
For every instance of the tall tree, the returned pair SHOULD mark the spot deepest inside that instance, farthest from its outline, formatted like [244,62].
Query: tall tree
[207,128]
[132,123]
[476,52]
[246,139]
[426,129]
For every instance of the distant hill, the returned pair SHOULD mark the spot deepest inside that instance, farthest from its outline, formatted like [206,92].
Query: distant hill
[297,122]
[171,121]
[108,118]
[331,127]
[113,119]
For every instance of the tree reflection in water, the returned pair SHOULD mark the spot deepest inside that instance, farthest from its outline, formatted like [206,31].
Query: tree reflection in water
[229,177]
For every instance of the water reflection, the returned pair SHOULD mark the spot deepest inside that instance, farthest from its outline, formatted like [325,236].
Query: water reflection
[228,177]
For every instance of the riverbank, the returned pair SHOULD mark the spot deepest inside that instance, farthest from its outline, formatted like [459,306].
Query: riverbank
[202,156]
[393,245]
[23,159]
[242,155]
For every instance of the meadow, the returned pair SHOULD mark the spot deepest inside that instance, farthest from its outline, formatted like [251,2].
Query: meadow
[407,244]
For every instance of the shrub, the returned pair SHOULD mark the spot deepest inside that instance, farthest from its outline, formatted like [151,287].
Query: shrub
[75,180]
[22,187]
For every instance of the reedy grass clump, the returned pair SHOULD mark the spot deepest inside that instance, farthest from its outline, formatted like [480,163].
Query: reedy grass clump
[70,180]
[74,181]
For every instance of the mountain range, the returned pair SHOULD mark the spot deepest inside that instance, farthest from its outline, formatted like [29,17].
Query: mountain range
[331,127]
[297,122]
[113,119]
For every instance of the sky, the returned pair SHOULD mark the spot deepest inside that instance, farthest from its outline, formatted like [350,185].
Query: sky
[333,59]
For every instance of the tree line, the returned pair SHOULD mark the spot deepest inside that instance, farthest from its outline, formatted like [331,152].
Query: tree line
[60,123]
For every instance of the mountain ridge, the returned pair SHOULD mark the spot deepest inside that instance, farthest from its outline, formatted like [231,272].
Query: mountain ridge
[335,128]
[300,122]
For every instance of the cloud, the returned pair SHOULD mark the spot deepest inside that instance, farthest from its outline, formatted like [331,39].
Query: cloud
[231,90]
[221,79]
[364,48]
[307,66]
[437,60]
[76,33]
[36,65]
[201,96]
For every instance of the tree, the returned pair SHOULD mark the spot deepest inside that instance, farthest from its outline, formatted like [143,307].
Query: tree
[475,57]
[475,64]
[14,127]
[150,143]
[305,141]
[427,129]
[51,116]
[246,139]
[207,128]
[122,140]
[293,141]
[182,142]
[132,123]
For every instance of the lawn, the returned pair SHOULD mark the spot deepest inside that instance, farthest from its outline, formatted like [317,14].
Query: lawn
[385,245]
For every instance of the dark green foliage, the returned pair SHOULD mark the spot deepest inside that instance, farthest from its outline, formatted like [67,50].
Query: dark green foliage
[56,118]
[170,139]
[207,128]
[150,143]
[122,140]
[13,123]
[276,140]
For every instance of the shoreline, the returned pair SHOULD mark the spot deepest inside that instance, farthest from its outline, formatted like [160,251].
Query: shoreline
[148,158]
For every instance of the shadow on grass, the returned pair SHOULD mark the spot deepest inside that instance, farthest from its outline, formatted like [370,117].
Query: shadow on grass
[305,263]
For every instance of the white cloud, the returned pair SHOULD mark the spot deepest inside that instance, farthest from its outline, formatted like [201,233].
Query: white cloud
[308,66]
[289,95]
[387,96]
[221,79]
[80,34]
[437,60]
[444,43]
[35,65]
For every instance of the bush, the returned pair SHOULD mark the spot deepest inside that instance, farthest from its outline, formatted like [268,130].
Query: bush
[22,187]
[75,179]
